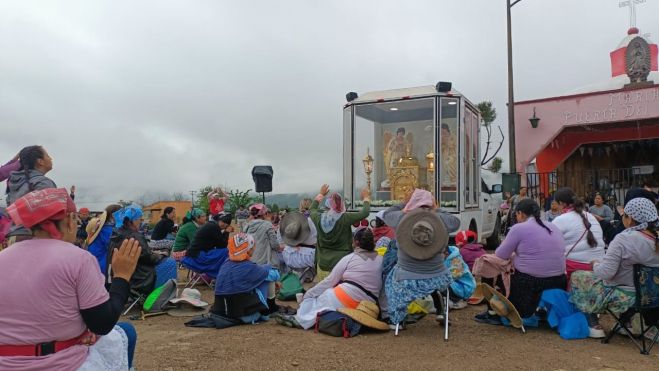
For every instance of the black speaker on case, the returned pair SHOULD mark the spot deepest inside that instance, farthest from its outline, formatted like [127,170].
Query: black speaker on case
[262,176]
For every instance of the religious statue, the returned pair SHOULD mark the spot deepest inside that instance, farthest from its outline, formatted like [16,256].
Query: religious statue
[638,60]
[449,157]
[396,148]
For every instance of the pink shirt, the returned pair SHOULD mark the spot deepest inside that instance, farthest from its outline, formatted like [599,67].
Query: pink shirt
[45,284]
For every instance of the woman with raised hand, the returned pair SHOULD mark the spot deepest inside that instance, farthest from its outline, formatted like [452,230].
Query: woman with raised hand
[334,227]
[58,315]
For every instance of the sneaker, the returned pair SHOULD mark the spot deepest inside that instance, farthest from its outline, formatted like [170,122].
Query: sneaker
[596,332]
[286,320]
[488,318]
[439,318]
[460,304]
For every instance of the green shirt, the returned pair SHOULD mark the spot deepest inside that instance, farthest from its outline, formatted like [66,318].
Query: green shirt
[337,243]
[184,236]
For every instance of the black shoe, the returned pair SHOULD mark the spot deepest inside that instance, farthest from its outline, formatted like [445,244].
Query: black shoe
[488,318]
[272,307]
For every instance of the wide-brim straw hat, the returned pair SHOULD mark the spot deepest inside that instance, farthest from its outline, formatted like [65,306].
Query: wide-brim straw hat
[366,313]
[478,296]
[421,234]
[294,228]
[94,227]
[502,306]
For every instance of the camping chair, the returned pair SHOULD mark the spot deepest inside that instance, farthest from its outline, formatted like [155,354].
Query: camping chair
[646,305]
[194,277]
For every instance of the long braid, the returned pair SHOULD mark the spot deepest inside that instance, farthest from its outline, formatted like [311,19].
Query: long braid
[578,208]
[531,208]
[652,228]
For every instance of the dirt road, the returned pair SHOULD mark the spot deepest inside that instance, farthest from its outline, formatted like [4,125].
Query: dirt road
[165,344]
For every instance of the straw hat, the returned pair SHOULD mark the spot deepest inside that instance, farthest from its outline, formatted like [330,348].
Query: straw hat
[478,296]
[189,304]
[366,313]
[294,228]
[502,306]
[94,227]
[421,234]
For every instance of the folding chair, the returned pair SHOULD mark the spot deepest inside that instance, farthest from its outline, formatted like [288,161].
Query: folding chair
[646,304]
[194,277]
[445,310]
[133,298]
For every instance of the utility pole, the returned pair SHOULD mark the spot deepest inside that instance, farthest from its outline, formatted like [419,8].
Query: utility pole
[192,195]
[511,97]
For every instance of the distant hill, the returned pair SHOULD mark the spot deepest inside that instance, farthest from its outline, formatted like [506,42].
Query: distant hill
[284,200]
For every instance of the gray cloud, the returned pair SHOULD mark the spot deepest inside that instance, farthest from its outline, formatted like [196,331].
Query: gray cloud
[167,96]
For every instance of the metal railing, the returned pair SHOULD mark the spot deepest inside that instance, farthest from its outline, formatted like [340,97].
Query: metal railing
[610,183]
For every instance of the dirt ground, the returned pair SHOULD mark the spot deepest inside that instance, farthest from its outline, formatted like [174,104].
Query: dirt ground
[164,343]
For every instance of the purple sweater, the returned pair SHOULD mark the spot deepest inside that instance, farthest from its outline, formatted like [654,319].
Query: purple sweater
[7,168]
[537,253]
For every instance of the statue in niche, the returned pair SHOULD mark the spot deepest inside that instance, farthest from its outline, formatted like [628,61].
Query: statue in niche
[638,60]
[396,148]
[449,159]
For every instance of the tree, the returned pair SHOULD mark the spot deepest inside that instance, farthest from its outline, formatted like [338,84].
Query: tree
[201,201]
[488,116]
[237,198]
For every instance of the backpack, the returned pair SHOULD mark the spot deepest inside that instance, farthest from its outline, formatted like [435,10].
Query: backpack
[336,324]
[158,299]
[290,285]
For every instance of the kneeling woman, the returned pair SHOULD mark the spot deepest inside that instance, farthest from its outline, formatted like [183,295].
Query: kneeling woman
[153,269]
[611,283]
[356,277]
[53,313]
[244,290]
[539,260]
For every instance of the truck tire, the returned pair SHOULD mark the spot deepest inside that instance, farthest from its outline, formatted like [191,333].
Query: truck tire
[495,239]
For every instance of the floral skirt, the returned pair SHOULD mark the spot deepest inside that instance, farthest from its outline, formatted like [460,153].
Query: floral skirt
[400,293]
[590,295]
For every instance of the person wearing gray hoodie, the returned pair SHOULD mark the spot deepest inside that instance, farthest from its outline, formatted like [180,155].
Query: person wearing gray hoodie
[35,162]
[265,236]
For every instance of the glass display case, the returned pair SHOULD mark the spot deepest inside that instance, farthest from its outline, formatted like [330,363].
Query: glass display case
[397,145]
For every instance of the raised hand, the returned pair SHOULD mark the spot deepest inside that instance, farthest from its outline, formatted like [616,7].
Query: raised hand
[124,259]
[324,189]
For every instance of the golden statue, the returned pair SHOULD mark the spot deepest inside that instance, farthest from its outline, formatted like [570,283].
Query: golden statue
[404,176]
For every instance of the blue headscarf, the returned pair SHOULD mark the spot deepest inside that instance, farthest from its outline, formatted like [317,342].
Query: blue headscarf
[132,212]
[194,214]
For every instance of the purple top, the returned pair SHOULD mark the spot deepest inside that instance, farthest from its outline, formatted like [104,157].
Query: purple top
[537,252]
[7,168]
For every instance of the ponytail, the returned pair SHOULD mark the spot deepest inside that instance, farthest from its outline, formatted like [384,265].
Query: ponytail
[652,228]
[28,160]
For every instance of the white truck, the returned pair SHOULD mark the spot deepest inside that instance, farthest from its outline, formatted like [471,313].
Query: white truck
[425,137]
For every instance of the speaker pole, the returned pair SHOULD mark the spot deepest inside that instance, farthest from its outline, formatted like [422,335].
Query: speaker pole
[263,194]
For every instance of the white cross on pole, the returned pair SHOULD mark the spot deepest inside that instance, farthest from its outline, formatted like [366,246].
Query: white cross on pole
[632,10]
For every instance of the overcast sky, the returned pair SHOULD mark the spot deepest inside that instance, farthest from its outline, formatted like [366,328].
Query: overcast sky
[168,96]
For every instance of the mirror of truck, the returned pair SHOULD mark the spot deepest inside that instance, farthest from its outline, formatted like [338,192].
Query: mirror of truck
[497,188]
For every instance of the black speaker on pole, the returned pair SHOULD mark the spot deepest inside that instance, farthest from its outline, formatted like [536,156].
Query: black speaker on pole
[262,176]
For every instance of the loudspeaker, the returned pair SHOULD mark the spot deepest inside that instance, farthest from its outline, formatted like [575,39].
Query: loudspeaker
[443,87]
[262,176]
